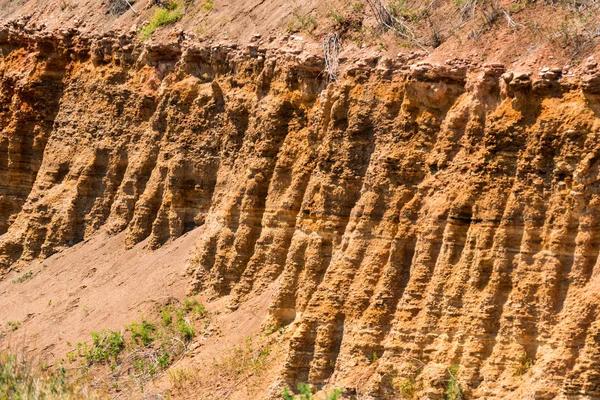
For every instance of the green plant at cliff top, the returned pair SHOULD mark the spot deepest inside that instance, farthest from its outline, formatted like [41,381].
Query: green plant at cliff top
[302,23]
[207,6]
[336,16]
[163,16]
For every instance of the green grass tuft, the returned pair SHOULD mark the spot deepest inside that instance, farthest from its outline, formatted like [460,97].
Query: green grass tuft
[207,6]
[305,393]
[163,16]
[142,333]
[106,345]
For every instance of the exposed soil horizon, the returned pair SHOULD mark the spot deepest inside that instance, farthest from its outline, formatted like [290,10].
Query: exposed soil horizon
[204,217]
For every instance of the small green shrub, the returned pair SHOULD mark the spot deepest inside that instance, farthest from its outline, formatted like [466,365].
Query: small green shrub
[142,332]
[335,395]
[105,345]
[141,366]
[357,6]
[27,275]
[453,389]
[186,331]
[164,360]
[271,329]
[166,316]
[191,307]
[336,16]
[408,388]
[144,349]
[302,23]
[374,358]
[163,16]
[524,364]
[305,393]
[14,325]
[194,306]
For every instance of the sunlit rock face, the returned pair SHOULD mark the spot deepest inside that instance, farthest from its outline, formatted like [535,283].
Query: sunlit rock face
[413,217]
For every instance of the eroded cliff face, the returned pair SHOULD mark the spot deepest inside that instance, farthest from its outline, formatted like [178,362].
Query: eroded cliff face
[413,217]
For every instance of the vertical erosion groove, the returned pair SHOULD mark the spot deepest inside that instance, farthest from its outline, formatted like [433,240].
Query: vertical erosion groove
[28,113]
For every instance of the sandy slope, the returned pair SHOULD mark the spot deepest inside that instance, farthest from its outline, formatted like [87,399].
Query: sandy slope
[93,285]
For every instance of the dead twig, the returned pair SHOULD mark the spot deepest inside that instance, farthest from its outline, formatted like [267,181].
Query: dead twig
[331,49]
[511,22]
[387,21]
[131,6]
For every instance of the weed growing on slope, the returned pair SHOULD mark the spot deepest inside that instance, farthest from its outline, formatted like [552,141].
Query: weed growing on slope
[179,377]
[186,330]
[166,316]
[20,379]
[13,325]
[271,329]
[523,365]
[305,393]
[207,6]
[161,17]
[27,275]
[336,16]
[105,346]
[252,357]
[302,23]
[374,358]
[195,307]
[357,6]
[409,388]
[403,378]
[142,333]
[142,350]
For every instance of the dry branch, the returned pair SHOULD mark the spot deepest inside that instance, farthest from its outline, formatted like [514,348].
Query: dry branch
[388,21]
[331,49]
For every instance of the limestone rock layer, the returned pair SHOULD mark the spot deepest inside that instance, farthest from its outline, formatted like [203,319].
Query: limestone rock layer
[412,217]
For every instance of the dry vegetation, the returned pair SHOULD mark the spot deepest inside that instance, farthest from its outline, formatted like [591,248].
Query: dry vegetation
[113,363]
[425,24]
[20,378]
